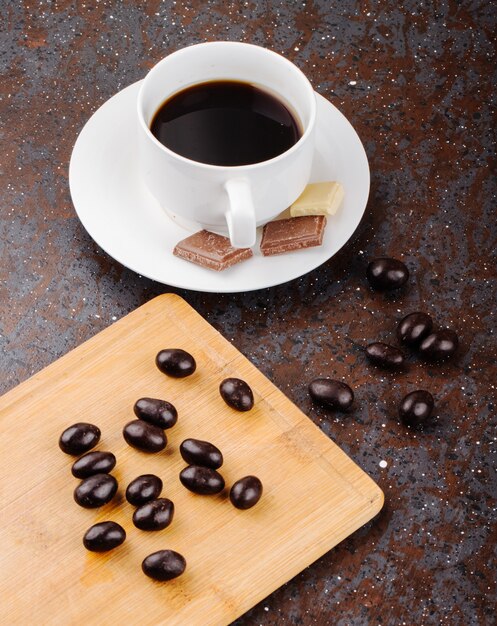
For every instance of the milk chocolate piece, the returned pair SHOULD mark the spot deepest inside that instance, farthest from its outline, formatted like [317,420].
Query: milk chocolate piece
[293,233]
[210,250]
[318,199]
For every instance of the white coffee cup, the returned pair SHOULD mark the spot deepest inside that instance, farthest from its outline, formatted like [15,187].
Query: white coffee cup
[218,198]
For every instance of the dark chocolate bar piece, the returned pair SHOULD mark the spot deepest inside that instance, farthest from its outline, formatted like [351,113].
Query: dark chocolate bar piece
[210,250]
[294,233]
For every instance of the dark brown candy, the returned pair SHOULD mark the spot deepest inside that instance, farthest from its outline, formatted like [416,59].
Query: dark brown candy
[237,394]
[175,362]
[164,565]
[144,436]
[95,491]
[202,480]
[440,345]
[246,492]
[413,328]
[383,355]
[154,515]
[197,452]
[94,462]
[143,489]
[79,438]
[333,394]
[104,536]
[157,412]
[385,273]
[416,407]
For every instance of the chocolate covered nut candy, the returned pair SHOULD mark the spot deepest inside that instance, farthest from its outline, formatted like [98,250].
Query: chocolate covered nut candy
[79,438]
[384,355]
[144,436]
[237,394]
[246,492]
[198,452]
[209,250]
[143,489]
[175,362]
[202,480]
[94,462]
[294,233]
[413,328]
[95,491]
[333,394]
[318,199]
[416,407]
[154,515]
[164,565]
[104,536]
[440,345]
[385,273]
[157,412]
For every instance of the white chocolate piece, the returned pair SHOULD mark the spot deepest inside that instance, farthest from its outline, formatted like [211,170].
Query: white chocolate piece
[318,199]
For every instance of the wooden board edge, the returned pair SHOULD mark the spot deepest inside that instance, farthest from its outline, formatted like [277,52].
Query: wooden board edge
[372,508]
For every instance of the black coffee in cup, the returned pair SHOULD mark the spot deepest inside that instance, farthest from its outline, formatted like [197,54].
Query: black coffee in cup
[225,123]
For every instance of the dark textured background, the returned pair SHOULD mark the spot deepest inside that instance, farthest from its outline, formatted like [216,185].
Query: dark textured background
[415,79]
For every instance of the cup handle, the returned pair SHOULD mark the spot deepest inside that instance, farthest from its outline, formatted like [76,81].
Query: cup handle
[240,215]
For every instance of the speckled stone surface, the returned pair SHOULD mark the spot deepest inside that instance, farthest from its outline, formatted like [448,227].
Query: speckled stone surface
[415,79]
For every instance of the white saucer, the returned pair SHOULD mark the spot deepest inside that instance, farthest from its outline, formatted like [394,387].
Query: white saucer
[125,220]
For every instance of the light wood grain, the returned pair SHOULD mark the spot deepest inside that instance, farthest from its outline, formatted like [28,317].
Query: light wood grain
[314,495]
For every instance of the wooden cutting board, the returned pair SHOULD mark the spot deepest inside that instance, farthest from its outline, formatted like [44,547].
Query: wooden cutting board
[314,495]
